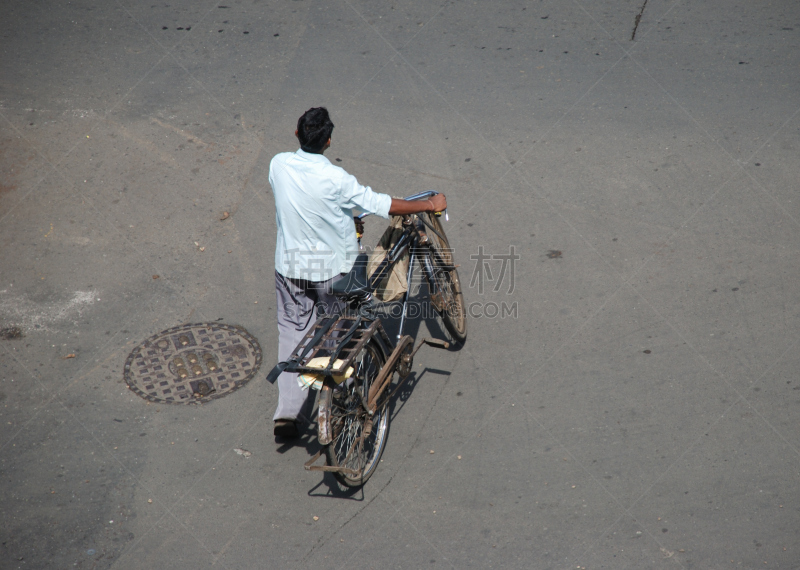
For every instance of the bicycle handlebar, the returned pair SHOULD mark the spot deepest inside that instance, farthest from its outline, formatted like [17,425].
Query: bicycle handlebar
[421,195]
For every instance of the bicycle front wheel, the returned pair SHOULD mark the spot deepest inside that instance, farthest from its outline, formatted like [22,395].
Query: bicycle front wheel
[444,284]
[358,439]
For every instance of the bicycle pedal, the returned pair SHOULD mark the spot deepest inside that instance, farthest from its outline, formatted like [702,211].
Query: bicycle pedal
[436,343]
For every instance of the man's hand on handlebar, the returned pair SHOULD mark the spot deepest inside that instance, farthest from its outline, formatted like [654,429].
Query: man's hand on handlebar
[437,203]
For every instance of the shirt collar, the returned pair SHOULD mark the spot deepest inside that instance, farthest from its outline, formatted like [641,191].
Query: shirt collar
[313,157]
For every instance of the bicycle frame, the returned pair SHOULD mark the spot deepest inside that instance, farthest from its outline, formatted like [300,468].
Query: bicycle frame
[408,240]
[402,348]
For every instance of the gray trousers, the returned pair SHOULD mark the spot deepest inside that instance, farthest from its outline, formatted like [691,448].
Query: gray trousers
[297,300]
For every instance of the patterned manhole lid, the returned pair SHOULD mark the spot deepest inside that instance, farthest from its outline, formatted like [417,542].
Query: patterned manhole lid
[192,364]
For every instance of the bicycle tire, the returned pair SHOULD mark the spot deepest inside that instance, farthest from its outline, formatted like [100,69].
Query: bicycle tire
[453,314]
[348,447]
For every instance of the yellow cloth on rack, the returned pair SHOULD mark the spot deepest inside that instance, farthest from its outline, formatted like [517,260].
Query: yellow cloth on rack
[314,380]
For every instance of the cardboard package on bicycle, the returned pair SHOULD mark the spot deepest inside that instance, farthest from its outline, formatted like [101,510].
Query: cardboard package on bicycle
[394,285]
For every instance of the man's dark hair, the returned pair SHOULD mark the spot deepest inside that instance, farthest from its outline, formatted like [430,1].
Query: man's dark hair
[314,129]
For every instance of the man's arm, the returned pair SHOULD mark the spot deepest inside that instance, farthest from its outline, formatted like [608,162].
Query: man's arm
[436,203]
[354,195]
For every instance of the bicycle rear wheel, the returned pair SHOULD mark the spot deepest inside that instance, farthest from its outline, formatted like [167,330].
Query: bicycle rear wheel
[358,439]
[445,286]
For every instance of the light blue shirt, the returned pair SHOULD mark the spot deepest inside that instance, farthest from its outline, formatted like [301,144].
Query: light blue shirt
[314,209]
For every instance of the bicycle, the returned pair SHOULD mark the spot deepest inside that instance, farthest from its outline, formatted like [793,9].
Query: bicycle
[351,360]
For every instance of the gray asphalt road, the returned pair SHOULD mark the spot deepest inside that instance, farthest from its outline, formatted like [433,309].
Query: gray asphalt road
[627,397]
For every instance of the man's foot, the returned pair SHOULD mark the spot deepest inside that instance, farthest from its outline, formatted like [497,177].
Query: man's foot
[286,429]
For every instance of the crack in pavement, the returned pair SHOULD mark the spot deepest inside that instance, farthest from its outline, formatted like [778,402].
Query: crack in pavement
[637,20]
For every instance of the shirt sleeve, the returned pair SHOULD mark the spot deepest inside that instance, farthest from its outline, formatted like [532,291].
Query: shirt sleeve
[354,195]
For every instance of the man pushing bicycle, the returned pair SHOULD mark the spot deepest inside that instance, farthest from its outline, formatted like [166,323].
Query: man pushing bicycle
[315,203]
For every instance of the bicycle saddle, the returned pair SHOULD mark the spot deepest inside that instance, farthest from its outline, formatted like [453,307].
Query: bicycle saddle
[355,283]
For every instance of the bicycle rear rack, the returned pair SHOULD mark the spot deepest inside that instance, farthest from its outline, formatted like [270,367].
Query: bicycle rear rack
[328,344]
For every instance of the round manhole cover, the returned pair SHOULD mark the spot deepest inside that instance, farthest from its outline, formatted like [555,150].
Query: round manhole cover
[191,364]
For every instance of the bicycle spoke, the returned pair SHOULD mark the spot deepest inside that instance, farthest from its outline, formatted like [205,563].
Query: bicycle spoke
[350,447]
